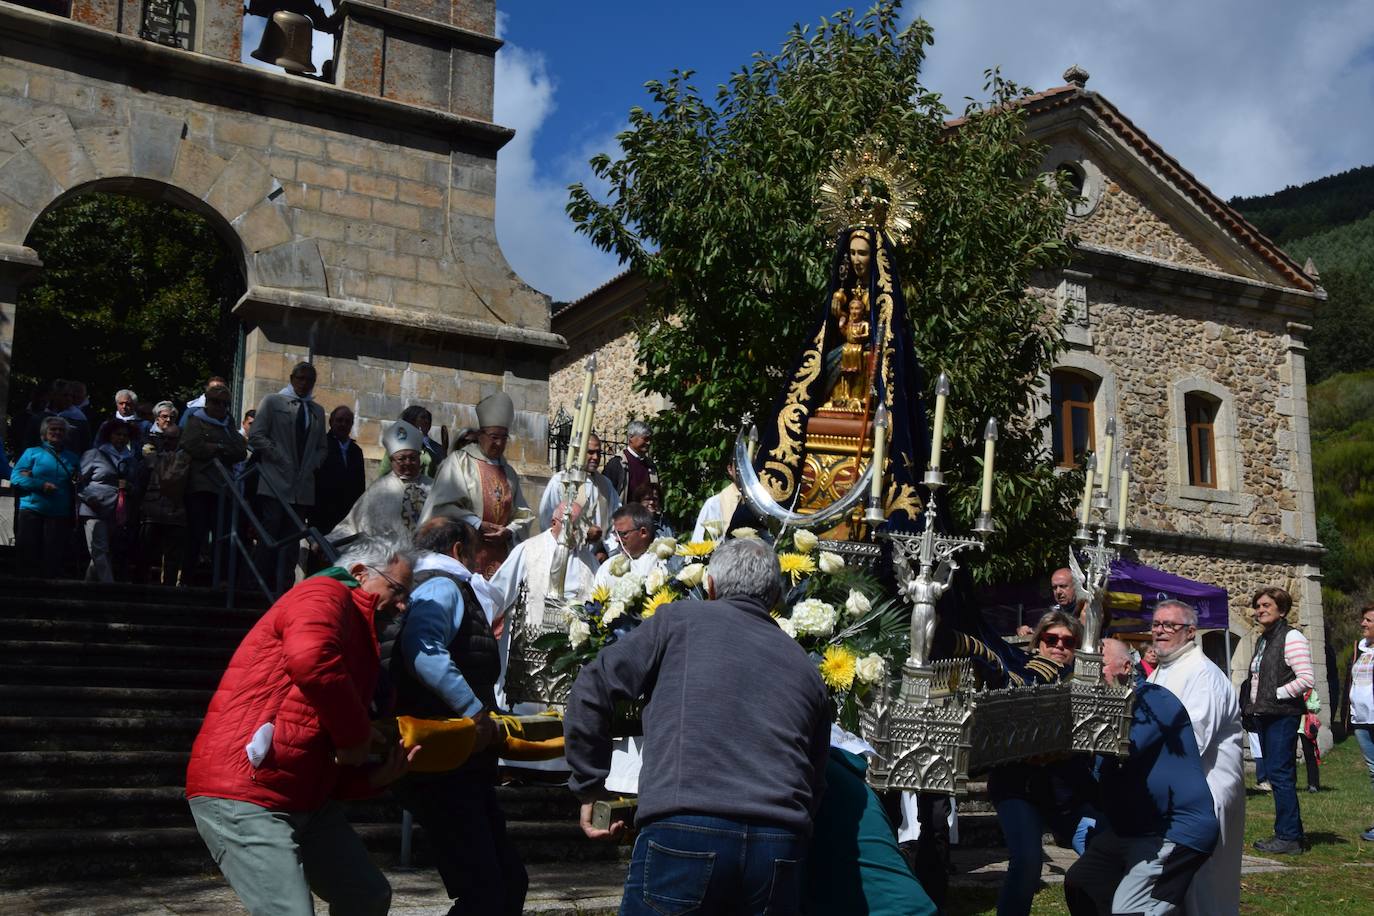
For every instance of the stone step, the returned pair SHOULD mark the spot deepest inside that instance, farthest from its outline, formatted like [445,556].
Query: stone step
[95,733]
[51,652]
[123,593]
[55,700]
[93,769]
[173,633]
[29,857]
[135,674]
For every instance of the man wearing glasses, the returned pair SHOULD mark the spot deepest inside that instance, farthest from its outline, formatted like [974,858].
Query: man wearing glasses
[1207,694]
[632,527]
[288,736]
[597,494]
[392,504]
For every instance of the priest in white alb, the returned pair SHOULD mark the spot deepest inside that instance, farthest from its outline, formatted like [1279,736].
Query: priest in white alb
[477,485]
[1208,695]
[597,494]
[529,565]
[392,504]
[719,508]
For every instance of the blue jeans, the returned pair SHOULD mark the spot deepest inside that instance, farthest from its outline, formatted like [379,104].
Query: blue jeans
[1023,826]
[698,864]
[1364,734]
[1278,741]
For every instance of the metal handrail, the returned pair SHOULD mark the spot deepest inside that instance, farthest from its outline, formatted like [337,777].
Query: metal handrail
[233,486]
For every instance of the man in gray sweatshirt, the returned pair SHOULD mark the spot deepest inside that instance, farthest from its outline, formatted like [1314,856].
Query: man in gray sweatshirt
[736,737]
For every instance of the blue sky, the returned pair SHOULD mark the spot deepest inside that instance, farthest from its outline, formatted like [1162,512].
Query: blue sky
[1249,95]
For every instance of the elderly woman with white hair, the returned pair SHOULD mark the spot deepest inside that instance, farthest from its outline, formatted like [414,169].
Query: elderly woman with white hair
[45,479]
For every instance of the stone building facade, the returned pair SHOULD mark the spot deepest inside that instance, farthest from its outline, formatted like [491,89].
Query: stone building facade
[1172,300]
[361,210]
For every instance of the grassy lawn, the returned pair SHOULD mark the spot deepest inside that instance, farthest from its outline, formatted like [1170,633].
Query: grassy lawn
[1334,878]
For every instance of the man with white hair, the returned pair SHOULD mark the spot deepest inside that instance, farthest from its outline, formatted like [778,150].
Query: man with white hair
[478,485]
[529,565]
[392,504]
[633,467]
[1209,697]
[288,734]
[1158,823]
[732,774]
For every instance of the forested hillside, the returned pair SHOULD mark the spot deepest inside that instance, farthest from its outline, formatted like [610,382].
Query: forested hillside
[1331,221]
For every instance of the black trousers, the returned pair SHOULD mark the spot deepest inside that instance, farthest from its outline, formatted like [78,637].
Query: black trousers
[1309,759]
[463,821]
[43,542]
[276,565]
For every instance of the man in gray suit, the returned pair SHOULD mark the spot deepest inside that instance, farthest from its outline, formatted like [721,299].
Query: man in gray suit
[288,443]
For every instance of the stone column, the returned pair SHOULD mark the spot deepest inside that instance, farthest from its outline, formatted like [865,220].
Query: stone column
[17,265]
[1303,526]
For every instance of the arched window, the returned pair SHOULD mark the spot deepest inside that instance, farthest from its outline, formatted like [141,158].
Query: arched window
[1072,419]
[1200,413]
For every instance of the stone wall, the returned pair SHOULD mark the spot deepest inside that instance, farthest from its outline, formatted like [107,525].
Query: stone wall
[618,403]
[1122,219]
[363,217]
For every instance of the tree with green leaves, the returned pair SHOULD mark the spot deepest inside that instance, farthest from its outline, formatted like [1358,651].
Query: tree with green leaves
[715,204]
[133,293]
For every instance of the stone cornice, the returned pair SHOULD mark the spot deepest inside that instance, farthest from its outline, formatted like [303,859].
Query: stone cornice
[66,37]
[458,36]
[19,255]
[272,302]
[1195,283]
[1234,547]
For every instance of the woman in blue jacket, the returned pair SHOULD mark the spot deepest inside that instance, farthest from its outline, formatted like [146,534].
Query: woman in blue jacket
[45,476]
[106,489]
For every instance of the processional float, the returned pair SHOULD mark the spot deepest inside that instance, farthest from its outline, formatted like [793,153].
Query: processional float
[838,460]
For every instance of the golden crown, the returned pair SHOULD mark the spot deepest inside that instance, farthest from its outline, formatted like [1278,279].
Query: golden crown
[870,185]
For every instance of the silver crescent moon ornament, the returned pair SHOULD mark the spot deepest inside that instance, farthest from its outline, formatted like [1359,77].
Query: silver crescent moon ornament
[757,498]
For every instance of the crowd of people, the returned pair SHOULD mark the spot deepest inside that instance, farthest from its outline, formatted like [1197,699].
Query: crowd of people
[129,494]
[440,558]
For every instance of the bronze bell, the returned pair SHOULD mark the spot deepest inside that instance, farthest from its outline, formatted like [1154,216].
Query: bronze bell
[286,42]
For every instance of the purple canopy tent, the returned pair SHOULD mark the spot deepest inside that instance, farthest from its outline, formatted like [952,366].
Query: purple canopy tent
[1155,585]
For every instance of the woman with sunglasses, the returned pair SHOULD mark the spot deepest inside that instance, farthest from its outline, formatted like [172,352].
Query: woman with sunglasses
[1030,796]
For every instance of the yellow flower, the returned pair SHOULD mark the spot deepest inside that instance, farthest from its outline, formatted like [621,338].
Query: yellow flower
[601,594]
[655,601]
[696,549]
[796,565]
[837,668]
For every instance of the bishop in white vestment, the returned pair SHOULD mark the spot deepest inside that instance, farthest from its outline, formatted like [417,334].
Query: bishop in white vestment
[478,486]
[392,504]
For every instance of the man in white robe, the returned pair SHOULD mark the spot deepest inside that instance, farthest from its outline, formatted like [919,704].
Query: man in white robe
[478,486]
[1208,695]
[529,565]
[632,525]
[718,509]
[597,493]
[392,504]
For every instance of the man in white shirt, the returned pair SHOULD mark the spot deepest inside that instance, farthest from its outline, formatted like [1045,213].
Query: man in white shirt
[1206,692]
[632,526]
[597,493]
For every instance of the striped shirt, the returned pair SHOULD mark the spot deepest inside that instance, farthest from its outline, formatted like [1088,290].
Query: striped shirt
[1362,685]
[1297,652]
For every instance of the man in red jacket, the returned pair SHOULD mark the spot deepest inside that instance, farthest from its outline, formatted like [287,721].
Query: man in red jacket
[287,736]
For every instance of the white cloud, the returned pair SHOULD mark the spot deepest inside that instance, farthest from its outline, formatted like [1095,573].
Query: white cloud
[1249,95]
[535,233]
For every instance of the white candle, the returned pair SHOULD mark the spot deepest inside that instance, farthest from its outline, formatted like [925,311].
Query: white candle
[875,492]
[989,444]
[582,423]
[938,430]
[590,412]
[1084,511]
[1104,467]
[1122,490]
